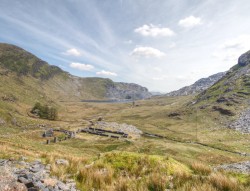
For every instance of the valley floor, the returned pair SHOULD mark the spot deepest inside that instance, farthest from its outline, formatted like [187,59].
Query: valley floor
[195,142]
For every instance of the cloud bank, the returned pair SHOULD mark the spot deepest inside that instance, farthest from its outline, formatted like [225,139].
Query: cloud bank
[154,31]
[106,73]
[82,67]
[190,22]
[147,52]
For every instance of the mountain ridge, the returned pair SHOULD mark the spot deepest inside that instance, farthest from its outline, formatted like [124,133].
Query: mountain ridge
[198,86]
[67,86]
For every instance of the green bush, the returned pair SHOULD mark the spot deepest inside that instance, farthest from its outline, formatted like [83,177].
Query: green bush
[44,111]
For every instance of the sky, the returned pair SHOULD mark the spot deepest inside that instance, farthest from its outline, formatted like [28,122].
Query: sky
[160,44]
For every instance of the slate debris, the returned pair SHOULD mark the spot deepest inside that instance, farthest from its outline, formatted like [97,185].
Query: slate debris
[242,167]
[33,176]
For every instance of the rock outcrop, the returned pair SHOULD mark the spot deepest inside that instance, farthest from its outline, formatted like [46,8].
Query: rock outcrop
[33,176]
[198,86]
[132,91]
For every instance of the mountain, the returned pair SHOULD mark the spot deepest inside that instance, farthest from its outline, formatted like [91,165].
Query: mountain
[230,96]
[39,79]
[198,86]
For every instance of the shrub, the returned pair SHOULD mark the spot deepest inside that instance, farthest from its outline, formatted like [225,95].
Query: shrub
[44,111]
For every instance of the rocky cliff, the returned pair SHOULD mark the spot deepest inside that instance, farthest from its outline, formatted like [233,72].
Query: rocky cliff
[127,91]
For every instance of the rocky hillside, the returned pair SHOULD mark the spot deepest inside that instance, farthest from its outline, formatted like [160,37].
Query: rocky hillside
[230,95]
[198,86]
[234,87]
[18,66]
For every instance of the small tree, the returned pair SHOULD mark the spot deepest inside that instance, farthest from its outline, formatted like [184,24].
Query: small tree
[45,111]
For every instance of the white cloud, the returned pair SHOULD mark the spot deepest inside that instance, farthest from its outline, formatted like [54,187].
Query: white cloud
[106,73]
[231,49]
[73,52]
[83,67]
[147,52]
[190,22]
[154,31]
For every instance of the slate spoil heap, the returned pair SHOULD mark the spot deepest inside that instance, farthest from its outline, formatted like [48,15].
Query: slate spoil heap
[34,176]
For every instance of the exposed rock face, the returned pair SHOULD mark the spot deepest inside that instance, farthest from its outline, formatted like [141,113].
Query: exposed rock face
[198,86]
[244,59]
[127,91]
[243,123]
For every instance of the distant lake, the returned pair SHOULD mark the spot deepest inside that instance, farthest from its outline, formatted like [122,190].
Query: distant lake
[108,101]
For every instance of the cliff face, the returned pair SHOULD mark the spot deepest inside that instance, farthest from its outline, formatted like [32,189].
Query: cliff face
[198,86]
[127,91]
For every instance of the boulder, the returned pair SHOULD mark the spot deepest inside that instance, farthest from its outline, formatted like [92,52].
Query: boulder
[62,162]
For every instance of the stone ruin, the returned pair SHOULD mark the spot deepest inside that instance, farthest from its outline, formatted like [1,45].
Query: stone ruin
[48,133]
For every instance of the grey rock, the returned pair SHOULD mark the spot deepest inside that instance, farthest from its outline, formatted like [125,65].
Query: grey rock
[8,181]
[62,186]
[242,123]
[244,59]
[23,180]
[32,177]
[3,162]
[242,167]
[62,162]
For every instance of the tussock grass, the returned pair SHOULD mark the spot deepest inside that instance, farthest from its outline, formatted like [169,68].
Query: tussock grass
[224,183]
[200,168]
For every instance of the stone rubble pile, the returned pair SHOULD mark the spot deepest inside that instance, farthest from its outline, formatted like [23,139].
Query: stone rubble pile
[34,176]
[129,129]
[243,123]
[242,167]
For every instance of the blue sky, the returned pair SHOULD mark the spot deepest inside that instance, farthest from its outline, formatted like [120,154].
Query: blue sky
[160,44]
